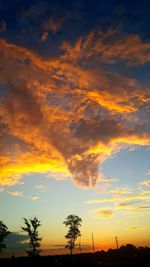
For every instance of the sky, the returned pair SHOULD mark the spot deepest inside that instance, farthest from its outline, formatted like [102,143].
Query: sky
[74,121]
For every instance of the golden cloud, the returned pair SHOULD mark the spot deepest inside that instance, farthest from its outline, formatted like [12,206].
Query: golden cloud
[104,212]
[118,199]
[135,228]
[118,192]
[109,46]
[64,117]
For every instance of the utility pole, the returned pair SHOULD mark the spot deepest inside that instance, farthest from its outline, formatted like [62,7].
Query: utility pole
[92,241]
[116,239]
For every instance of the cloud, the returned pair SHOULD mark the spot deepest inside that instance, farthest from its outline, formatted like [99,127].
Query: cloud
[104,212]
[145,192]
[16,244]
[67,116]
[108,179]
[124,201]
[118,192]
[52,24]
[137,211]
[133,197]
[41,187]
[2,26]
[129,205]
[35,197]
[15,193]
[1,189]
[109,47]
[145,183]
[143,208]
[134,209]
[130,209]
[44,36]
[135,228]
[12,193]
[103,188]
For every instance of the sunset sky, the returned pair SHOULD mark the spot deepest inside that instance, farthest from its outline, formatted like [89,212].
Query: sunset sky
[75,120]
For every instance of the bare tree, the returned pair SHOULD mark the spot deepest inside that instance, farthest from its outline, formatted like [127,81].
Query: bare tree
[74,222]
[3,234]
[31,227]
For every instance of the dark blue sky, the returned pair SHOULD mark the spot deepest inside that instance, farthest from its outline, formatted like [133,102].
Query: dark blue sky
[24,19]
[22,23]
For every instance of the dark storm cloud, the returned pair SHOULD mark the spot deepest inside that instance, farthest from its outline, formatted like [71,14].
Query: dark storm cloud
[16,243]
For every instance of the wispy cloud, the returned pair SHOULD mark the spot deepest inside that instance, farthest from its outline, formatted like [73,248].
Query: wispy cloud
[104,212]
[41,187]
[134,197]
[103,188]
[1,189]
[108,179]
[129,48]
[35,197]
[15,193]
[132,206]
[135,228]
[53,24]
[124,190]
[44,36]
[145,183]
[2,26]
[145,192]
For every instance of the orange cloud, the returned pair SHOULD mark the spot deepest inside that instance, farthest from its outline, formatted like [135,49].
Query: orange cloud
[109,47]
[64,118]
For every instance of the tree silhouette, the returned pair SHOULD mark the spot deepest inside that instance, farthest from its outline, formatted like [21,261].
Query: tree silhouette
[31,227]
[3,234]
[74,222]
